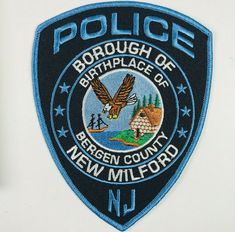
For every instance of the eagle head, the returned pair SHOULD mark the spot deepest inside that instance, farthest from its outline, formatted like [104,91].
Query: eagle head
[106,108]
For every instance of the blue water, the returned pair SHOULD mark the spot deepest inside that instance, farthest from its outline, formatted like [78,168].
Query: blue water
[103,139]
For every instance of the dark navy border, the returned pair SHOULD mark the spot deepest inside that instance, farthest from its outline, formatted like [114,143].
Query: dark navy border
[42,120]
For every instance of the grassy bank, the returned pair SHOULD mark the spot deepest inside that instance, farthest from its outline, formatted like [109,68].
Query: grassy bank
[127,137]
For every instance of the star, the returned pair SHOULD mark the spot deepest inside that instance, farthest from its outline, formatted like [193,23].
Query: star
[62,132]
[181,88]
[182,132]
[185,111]
[59,111]
[64,88]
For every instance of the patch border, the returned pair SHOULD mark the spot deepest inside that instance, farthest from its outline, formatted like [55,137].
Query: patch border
[175,177]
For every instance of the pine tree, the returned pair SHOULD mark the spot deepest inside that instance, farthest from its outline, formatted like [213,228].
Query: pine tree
[138,105]
[133,112]
[150,99]
[144,101]
[157,101]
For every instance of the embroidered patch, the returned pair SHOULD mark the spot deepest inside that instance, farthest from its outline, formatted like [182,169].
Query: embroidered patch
[121,90]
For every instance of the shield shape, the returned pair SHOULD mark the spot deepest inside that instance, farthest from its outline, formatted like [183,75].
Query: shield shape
[148,70]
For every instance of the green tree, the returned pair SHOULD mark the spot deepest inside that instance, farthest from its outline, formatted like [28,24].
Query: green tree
[157,101]
[144,101]
[133,112]
[138,105]
[150,99]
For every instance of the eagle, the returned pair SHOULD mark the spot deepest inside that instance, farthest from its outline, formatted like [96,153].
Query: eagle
[121,98]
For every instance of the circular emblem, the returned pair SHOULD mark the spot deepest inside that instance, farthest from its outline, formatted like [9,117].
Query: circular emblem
[126,118]
[123,110]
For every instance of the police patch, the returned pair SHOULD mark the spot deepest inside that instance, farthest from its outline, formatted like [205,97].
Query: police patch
[121,90]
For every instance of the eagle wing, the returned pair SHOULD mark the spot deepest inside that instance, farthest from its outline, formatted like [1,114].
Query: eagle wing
[124,90]
[100,91]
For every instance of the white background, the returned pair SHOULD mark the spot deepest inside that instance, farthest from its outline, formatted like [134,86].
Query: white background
[33,195]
